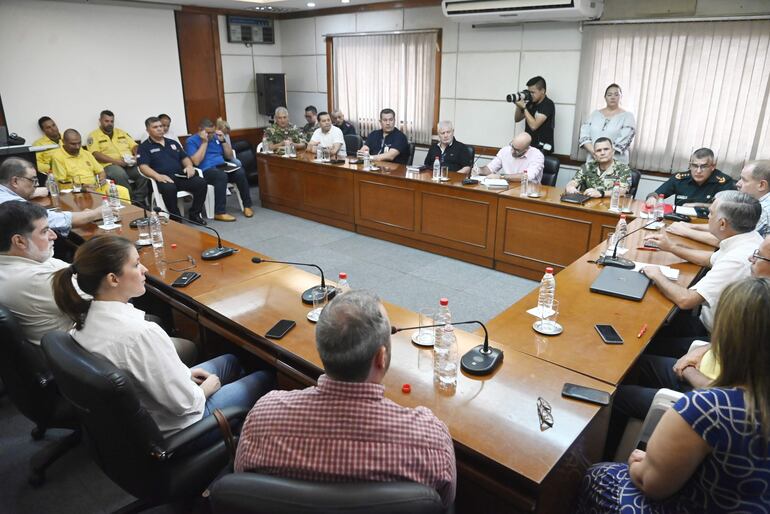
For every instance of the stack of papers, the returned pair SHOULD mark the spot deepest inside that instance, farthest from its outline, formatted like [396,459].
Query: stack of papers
[496,183]
[668,272]
[535,311]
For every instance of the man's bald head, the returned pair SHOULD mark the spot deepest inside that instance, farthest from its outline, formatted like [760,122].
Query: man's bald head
[520,144]
[72,141]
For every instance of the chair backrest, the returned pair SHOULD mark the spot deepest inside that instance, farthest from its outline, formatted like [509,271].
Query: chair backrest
[411,154]
[636,176]
[121,434]
[25,373]
[252,493]
[352,143]
[471,154]
[550,170]
[246,155]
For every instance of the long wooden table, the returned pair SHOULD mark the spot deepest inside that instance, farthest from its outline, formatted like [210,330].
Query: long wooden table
[492,228]
[506,462]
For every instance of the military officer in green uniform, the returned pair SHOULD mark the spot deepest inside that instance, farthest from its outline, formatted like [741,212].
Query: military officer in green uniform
[281,132]
[311,115]
[699,184]
[597,178]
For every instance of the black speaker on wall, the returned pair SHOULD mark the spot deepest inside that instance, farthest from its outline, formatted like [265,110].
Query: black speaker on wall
[271,92]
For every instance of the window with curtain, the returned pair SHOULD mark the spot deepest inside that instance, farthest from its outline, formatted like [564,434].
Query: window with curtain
[690,85]
[374,72]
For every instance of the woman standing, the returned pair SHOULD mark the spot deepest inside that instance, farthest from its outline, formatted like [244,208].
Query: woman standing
[612,122]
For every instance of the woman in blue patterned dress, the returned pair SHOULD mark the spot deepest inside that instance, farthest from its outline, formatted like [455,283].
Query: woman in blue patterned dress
[709,453]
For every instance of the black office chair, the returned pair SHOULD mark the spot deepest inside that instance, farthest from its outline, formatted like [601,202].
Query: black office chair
[245,153]
[411,154]
[252,493]
[122,437]
[471,154]
[636,176]
[31,388]
[352,143]
[550,170]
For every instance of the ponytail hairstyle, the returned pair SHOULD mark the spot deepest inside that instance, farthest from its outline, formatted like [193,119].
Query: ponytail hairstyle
[93,261]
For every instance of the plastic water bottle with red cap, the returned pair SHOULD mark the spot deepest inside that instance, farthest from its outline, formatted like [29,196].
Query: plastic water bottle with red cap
[343,286]
[621,229]
[443,316]
[445,359]
[547,293]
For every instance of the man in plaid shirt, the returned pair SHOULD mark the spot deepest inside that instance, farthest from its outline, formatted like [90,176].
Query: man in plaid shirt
[345,430]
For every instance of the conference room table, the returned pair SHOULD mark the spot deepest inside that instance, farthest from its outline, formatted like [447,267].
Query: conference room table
[507,461]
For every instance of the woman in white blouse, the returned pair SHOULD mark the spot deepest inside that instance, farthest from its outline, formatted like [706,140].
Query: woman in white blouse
[612,122]
[108,268]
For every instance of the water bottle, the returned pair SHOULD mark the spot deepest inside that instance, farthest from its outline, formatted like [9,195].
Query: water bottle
[156,231]
[445,356]
[367,161]
[442,316]
[657,213]
[615,197]
[108,219]
[52,185]
[547,292]
[343,286]
[620,232]
[265,143]
[524,184]
[436,169]
[287,149]
[319,153]
[112,192]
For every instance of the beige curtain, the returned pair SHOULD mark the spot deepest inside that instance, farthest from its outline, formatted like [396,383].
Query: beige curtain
[690,85]
[389,70]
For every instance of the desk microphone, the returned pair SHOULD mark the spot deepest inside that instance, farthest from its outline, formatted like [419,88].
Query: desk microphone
[132,224]
[480,360]
[307,296]
[468,181]
[620,262]
[211,254]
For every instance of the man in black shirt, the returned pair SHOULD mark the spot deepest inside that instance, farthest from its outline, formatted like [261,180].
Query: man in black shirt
[338,119]
[539,115]
[164,161]
[450,152]
[388,143]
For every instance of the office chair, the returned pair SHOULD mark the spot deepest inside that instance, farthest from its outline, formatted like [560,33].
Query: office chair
[550,170]
[636,176]
[471,155]
[638,431]
[157,198]
[248,158]
[31,388]
[122,437]
[352,143]
[411,154]
[252,493]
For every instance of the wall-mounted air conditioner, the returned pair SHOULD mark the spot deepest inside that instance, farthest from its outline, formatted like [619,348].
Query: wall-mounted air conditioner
[511,11]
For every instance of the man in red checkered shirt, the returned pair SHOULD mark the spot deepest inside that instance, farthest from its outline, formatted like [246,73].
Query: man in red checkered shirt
[344,429]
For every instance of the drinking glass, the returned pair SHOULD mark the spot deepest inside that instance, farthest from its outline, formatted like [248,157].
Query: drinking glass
[444,173]
[610,243]
[319,296]
[533,189]
[143,228]
[548,321]
[77,184]
[424,336]
[625,202]
[326,155]
[292,150]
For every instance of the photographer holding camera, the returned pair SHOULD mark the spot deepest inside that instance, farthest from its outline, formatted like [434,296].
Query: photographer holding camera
[538,111]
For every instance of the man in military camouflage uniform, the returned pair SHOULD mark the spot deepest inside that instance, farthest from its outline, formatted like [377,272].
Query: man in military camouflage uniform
[697,186]
[598,177]
[311,115]
[281,132]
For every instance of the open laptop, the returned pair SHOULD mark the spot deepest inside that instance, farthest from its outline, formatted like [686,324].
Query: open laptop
[622,283]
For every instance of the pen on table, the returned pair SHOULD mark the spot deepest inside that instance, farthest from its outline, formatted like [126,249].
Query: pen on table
[648,248]
[642,331]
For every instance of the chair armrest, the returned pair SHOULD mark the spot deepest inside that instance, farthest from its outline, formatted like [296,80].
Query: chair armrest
[697,344]
[178,441]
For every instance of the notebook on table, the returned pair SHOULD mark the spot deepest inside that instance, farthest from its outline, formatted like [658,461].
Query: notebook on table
[622,283]
[578,198]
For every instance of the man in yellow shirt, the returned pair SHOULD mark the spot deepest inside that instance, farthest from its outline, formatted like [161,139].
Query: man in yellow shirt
[51,137]
[71,161]
[115,149]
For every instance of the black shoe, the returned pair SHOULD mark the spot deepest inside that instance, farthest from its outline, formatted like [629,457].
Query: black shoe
[197,218]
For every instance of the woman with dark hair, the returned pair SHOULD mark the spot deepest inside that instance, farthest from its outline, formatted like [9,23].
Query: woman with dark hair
[612,122]
[108,268]
[709,453]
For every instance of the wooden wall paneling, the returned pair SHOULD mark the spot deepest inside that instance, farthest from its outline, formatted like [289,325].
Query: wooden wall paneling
[330,74]
[201,66]
[330,192]
[460,222]
[280,184]
[386,206]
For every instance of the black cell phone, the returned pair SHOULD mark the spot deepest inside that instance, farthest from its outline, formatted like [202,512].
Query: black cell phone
[586,394]
[674,216]
[185,279]
[280,329]
[608,334]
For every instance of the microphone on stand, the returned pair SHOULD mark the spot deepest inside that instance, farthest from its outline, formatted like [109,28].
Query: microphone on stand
[621,262]
[211,254]
[479,360]
[468,181]
[307,296]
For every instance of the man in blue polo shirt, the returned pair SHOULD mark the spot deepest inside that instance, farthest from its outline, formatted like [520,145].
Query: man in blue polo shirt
[208,150]
[163,160]
[388,143]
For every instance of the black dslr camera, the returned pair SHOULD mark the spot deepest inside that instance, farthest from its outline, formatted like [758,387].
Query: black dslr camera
[521,95]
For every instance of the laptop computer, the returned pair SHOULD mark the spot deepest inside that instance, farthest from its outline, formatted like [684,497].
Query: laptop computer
[622,283]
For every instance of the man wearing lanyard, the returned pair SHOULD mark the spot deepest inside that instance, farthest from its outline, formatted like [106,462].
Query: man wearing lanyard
[388,143]
[451,152]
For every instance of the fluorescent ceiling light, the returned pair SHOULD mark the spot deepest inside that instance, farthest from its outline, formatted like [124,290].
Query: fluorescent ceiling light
[260,1]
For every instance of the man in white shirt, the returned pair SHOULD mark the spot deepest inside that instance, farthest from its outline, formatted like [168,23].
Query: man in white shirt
[754,181]
[27,267]
[328,136]
[732,218]
[516,159]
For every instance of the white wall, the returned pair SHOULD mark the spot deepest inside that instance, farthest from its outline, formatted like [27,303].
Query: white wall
[70,60]
[479,67]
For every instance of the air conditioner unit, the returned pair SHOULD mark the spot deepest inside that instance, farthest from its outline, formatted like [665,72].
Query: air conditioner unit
[511,11]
